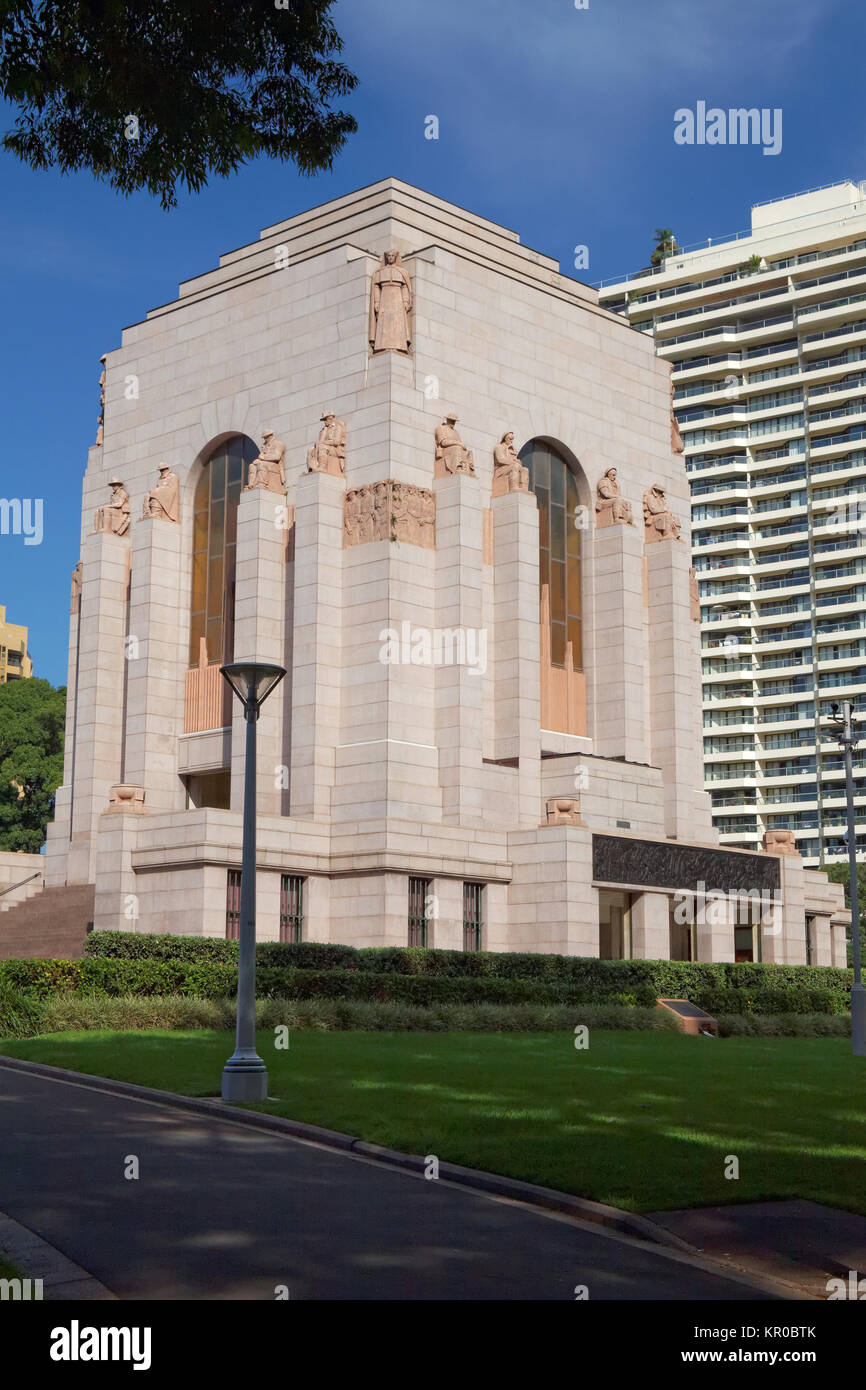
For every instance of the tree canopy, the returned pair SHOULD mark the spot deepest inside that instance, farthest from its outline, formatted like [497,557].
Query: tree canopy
[666,245]
[32,716]
[157,94]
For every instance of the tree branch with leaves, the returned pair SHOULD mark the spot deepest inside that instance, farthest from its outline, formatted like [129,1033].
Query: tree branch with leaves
[162,94]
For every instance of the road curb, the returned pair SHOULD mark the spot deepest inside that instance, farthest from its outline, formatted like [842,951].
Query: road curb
[62,1279]
[581,1208]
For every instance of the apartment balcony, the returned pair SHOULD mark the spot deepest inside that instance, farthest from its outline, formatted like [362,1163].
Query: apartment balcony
[849,464]
[834,393]
[697,368]
[781,642]
[706,516]
[720,487]
[773,354]
[708,541]
[765,483]
[813,292]
[830,311]
[735,619]
[823,422]
[798,662]
[834,445]
[822,369]
[724,673]
[846,335]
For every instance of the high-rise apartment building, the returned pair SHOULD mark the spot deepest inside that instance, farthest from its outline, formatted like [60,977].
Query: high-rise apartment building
[15,664]
[766,335]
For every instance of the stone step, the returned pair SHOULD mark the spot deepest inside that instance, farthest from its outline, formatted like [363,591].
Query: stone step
[51,924]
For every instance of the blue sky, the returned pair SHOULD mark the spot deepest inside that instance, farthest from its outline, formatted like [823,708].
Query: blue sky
[555,121]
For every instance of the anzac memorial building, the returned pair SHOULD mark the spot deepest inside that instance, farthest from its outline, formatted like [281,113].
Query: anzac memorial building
[390,449]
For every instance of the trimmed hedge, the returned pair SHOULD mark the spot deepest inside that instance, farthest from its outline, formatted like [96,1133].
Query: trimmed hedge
[769,988]
[214,979]
[305,955]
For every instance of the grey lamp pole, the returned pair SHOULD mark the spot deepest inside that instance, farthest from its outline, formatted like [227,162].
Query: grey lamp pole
[245,1076]
[844,734]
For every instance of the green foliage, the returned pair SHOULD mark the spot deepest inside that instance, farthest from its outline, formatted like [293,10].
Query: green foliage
[41,978]
[430,978]
[90,1012]
[784,1025]
[32,718]
[308,970]
[793,1000]
[21,1015]
[305,955]
[666,245]
[165,93]
[838,873]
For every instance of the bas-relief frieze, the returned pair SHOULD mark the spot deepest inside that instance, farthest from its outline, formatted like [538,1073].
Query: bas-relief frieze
[654,864]
[389,511]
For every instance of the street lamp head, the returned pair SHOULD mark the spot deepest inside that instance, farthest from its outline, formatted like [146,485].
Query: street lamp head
[252,682]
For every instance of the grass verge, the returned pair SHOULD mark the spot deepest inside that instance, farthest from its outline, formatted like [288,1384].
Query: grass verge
[642,1120]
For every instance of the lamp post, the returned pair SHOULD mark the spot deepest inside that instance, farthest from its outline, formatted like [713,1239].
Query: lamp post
[843,732]
[245,1076]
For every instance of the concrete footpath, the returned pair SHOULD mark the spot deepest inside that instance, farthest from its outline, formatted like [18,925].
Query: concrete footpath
[218,1209]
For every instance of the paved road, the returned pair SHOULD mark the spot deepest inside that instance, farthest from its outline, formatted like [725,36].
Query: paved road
[220,1211]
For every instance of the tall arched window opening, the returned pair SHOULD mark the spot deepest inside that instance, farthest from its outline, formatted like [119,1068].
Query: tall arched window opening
[215,530]
[559,559]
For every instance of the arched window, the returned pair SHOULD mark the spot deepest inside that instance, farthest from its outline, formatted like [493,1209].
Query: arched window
[215,529]
[555,487]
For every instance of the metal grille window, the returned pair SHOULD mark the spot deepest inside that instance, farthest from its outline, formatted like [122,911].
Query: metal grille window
[291,907]
[418,890]
[233,904]
[472,916]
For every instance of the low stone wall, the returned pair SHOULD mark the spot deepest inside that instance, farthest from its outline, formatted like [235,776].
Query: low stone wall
[15,867]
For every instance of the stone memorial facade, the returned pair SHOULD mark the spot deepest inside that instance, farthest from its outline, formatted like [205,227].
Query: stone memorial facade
[492,701]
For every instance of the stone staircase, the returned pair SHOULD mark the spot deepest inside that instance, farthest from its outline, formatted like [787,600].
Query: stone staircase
[52,923]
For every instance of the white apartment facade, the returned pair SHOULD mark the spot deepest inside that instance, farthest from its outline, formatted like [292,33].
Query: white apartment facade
[766,336]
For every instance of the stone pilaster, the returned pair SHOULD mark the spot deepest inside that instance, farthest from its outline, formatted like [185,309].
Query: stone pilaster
[465,646]
[59,830]
[650,926]
[101,682]
[783,932]
[552,903]
[317,643]
[822,940]
[260,596]
[715,925]
[619,726]
[517,700]
[675,691]
[156,665]
[116,905]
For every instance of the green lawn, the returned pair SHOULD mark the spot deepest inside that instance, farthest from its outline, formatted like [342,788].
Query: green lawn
[641,1120]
